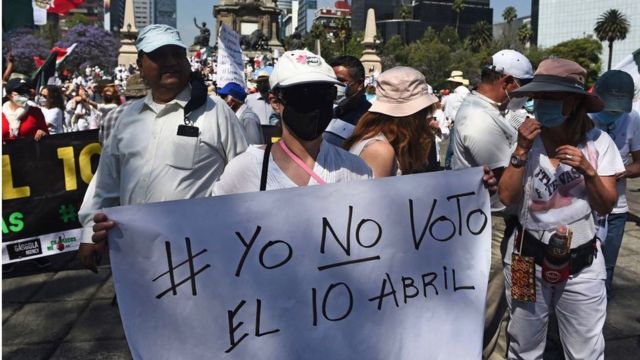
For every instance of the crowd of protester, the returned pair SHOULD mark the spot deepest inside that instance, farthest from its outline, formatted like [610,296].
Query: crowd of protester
[555,155]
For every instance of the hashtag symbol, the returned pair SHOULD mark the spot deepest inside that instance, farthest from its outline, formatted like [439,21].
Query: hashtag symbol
[192,273]
[68,213]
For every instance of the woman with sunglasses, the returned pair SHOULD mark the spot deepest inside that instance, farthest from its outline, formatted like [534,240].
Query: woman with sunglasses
[561,172]
[52,106]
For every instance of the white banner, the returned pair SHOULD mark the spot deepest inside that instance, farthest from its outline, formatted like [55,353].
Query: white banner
[43,245]
[230,65]
[392,268]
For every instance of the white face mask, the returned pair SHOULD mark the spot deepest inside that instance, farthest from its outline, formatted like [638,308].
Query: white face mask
[20,100]
[342,95]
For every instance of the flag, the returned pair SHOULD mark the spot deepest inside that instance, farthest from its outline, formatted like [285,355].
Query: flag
[62,7]
[40,12]
[16,14]
[44,72]
[62,53]
[38,61]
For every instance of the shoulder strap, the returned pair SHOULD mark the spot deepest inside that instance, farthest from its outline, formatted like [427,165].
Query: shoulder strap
[198,95]
[265,167]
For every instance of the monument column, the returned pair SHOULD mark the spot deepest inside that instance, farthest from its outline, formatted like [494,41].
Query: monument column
[128,54]
[370,59]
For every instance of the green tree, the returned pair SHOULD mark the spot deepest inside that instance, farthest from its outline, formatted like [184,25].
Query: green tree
[457,6]
[481,35]
[612,25]
[509,14]
[430,58]
[525,33]
[394,52]
[354,45]
[404,12]
[449,36]
[75,19]
[585,52]
[342,33]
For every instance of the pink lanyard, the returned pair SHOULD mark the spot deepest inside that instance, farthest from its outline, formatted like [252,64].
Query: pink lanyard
[301,163]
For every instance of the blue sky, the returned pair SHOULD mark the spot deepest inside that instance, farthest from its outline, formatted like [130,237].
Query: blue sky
[203,11]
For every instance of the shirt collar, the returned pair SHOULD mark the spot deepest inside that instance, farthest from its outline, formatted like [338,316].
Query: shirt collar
[486,99]
[241,110]
[181,99]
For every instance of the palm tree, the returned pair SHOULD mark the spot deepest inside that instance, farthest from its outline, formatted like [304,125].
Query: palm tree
[481,35]
[525,33]
[457,6]
[612,25]
[509,14]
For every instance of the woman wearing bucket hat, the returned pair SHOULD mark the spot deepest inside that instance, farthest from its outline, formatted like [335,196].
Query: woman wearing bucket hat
[562,170]
[623,125]
[394,136]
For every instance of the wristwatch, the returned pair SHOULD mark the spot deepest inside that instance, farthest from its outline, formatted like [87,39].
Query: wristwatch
[516,161]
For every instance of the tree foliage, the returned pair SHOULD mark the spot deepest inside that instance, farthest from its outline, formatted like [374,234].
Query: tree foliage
[525,33]
[611,26]
[585,52]
[24,45]
[96,47]
[481,35]
[457,6]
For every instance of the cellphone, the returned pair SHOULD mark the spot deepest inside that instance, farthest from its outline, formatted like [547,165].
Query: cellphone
[189,131]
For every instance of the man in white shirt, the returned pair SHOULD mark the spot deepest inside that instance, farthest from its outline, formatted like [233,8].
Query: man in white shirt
[483,136]
[174,144]
[234,95]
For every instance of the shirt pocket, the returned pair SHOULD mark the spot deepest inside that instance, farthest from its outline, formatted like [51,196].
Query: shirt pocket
[183,152]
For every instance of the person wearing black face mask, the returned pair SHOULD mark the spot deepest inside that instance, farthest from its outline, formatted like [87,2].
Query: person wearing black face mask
[302,94]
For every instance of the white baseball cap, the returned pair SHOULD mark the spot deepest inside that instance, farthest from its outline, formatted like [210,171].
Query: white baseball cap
[300,67]
[154,36]
[511,62]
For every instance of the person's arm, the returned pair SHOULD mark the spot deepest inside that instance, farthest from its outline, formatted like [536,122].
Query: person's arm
[380,157]
[41,124]
[103,192]
[633,170]
[601,190]
[9,70]
[510,184]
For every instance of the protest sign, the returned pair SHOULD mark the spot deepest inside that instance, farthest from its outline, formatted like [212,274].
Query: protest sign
[391,268]
[230,65]
[43,184]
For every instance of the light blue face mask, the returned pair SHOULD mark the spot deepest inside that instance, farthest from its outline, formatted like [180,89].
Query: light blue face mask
[606,118]
[529,106]
[548,112]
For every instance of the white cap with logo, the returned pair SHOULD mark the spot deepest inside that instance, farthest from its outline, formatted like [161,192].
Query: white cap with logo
[511,62]
[300,67]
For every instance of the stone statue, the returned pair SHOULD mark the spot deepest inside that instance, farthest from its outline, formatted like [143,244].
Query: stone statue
[296,42]
[205,34]
[256,41]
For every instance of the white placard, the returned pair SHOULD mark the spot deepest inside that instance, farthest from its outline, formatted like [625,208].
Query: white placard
[230,65]
[392,268]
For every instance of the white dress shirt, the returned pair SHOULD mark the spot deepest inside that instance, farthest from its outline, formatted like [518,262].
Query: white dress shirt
[144,160]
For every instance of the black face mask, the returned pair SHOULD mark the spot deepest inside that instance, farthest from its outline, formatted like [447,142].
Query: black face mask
[308,119]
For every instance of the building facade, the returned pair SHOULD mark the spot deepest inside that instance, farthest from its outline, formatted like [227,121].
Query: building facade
[562,20]
[422,14]
[164,12]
